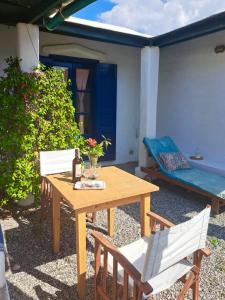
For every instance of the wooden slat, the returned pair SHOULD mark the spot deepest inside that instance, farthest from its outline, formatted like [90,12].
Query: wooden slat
[123,261]
[125,286]
[102,294]
[140,295]
[135,292]
[162,226]
[97,267]
[114,287]
[105,271]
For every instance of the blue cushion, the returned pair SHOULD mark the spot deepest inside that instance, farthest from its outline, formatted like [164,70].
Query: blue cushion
[207,181]
[204,180]
[156,146]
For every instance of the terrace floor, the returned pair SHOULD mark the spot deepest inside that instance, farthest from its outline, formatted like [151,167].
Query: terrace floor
[43,275]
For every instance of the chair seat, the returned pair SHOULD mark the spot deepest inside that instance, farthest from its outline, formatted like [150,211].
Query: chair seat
[135,253]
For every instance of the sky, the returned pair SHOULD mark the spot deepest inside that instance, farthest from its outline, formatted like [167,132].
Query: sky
[152,17]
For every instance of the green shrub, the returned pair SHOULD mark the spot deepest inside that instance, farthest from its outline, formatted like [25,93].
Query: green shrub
[36,113]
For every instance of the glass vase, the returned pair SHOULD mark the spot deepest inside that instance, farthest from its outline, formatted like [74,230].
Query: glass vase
[93,160]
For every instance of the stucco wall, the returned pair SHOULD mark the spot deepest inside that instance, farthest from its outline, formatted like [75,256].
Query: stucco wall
[128,89]
[191,98]
[7,44]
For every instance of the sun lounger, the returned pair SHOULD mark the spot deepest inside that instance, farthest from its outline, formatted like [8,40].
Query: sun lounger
[203,182]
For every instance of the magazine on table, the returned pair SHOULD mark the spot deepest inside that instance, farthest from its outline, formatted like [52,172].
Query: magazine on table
[90,185]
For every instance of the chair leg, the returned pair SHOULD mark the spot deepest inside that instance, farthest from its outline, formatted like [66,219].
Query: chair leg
[195,289]
[188,284]
[215,206]
[43,200]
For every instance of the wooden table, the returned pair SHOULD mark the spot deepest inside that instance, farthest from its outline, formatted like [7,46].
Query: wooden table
[121,188]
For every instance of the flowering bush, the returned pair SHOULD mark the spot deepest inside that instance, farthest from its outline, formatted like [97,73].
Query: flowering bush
[92,148]
[36,113]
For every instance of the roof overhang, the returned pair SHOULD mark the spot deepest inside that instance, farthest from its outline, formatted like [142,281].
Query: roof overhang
[206,26]
[99,34]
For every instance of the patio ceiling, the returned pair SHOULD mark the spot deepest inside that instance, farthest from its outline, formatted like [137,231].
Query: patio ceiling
[34,11]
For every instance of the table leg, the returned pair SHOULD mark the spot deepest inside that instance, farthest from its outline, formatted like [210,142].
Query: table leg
[81,253]
[144,208]
[55,221]
[110,212]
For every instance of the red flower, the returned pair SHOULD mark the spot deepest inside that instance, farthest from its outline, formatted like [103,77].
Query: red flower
[23,85]
[91,142]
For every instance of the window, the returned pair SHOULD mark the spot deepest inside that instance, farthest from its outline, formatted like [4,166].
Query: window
[84,96]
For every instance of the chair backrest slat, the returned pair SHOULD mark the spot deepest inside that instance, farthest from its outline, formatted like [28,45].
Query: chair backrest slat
[105,271]
[52,162]
[125,286]
[169,246]
[115,275]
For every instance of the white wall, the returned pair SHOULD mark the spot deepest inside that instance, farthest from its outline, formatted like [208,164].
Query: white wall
[7,44]
[191,99]
[128,89]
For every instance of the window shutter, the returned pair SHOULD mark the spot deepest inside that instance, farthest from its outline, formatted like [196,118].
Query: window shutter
[106,90]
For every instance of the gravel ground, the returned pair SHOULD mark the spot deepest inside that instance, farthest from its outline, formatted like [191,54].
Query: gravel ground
[46,276]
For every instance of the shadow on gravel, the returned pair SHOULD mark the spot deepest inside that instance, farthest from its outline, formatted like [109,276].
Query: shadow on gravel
[178,205]
[17,293]
[29,244]
[64,291]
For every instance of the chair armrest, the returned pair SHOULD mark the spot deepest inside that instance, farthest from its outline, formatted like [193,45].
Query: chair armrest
[205,252]
[160,219]
[123,261]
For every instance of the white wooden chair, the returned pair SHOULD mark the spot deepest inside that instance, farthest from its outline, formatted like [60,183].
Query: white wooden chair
[53,162]
[153,264]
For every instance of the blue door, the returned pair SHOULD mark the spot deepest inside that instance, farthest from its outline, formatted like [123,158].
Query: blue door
[106,90]
[93,87]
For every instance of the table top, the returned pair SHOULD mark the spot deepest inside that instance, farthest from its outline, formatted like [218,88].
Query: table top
[119,185]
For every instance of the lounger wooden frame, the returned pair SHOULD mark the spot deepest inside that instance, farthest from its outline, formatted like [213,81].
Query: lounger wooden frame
[101,282]
[154,171]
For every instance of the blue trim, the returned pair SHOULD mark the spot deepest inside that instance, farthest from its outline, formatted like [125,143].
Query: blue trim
[206,26]
[99,34]
[73,59]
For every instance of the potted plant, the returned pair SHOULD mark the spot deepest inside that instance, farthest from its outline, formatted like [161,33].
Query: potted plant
[95,150]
